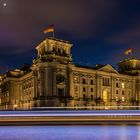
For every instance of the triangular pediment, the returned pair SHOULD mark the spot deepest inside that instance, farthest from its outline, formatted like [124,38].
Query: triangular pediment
[108,68]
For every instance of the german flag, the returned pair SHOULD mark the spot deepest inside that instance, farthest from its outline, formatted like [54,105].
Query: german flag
[128,51]
[49,29]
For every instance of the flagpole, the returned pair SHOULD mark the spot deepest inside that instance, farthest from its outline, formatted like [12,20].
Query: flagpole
[53,34]
[131,54]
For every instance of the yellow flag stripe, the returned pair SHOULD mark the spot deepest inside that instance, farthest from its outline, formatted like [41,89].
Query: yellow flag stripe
[48,30]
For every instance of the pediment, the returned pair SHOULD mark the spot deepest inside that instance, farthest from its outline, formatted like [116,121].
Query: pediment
[108,68]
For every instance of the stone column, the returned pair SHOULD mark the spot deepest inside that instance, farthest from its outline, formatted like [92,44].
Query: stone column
[34,87]
[67,50]
[112,96]
[48,81]
[41,82]
[21,95]
[133,89]
[98,86]
[71,85]
[54,91]
[45,80]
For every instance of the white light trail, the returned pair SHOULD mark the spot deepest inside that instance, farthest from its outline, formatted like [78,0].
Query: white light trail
[64,113]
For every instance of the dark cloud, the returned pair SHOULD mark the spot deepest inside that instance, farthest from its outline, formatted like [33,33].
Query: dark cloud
[91,24]
[128,38]
[26,19]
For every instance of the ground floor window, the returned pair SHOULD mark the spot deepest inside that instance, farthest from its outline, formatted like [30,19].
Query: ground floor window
[105,96]
[60,92]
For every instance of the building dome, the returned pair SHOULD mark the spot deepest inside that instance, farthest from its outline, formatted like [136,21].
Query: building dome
[130,66]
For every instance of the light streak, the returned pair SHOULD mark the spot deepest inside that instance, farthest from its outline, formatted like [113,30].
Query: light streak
[64,113]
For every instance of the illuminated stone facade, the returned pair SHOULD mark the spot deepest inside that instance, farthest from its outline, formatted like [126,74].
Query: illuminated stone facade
[53,80]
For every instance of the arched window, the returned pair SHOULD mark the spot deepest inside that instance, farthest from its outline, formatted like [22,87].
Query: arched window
[105,96]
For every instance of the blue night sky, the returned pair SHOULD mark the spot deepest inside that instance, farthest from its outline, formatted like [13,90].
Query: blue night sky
[101,30]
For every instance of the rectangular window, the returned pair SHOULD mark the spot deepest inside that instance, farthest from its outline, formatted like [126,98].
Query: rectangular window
[123,99]
[122,92]
[122,85]
[117,84]
[91,97]
[84,96]
[91,82]
[60,92]
[84,89]
[84,81]
[117,91]
[91,89]
[106,82]
[60,78]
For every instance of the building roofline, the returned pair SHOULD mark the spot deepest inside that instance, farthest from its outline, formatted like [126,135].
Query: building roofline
[129,59]
[56,39]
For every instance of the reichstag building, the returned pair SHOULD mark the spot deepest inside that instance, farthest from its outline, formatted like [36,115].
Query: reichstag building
[53,80]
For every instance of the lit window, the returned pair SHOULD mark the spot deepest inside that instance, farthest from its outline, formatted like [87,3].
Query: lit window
[117,99]
[75,80]
[105,96]
[122,85]
[123,99]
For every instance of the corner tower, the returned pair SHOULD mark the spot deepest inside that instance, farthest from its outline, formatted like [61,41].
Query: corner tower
[54,50]
[52,69]
[130,66]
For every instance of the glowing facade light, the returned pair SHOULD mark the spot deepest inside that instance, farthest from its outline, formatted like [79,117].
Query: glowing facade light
[122,85]
[15,105]
[123,99]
